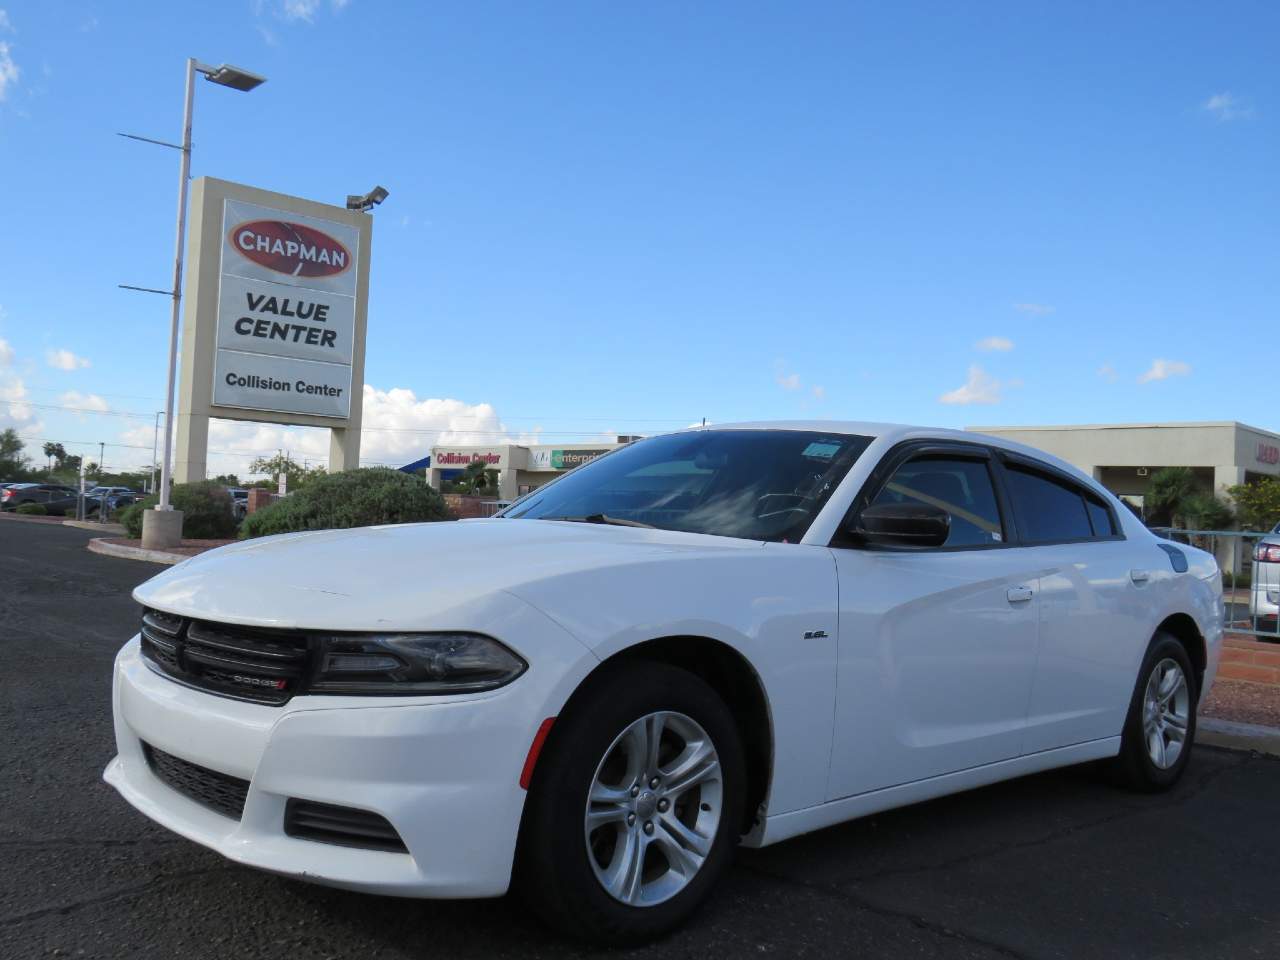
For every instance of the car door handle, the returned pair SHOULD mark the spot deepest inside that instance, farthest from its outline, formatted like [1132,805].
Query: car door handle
[1139,576]
[1019,594]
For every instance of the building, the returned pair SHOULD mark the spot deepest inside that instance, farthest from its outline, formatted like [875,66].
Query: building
[520,468]
[1123,456]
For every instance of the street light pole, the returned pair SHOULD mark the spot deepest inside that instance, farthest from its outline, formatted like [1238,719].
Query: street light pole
[227,76]
[155,440]
[184,168]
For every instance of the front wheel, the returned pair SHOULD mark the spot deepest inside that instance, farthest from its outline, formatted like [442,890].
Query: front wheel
[1161,725]
[635,807]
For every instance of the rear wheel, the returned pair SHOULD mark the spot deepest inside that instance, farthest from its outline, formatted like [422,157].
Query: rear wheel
[1160,727]
[635,806]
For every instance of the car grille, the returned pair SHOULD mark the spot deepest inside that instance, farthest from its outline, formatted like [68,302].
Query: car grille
[345,826]
[247,663]
[219,792]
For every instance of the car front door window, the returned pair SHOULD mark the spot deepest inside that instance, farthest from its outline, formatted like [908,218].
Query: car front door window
[963,488]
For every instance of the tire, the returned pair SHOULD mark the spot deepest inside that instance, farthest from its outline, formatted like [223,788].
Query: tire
[1148,760]
[563,863]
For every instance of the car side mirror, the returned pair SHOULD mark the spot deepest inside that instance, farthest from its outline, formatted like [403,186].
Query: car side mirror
[902,525]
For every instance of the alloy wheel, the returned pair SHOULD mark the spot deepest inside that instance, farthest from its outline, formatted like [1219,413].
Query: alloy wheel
[654,809]
[1166,713]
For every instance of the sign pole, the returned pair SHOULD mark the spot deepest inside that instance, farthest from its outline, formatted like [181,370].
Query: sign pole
[183,176]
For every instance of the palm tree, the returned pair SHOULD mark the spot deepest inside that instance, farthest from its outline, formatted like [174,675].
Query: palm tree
[474,477]
[1168,494]
[53,451]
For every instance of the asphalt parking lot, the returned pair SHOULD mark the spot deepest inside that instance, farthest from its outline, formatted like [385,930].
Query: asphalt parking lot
[1053,866]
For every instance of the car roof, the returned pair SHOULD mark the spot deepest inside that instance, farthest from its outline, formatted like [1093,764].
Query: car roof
[893,433]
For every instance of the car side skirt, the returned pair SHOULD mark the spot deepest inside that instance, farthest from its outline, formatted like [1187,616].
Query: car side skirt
[784,826]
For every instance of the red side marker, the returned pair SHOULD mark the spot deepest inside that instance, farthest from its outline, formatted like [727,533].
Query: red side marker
[535,748]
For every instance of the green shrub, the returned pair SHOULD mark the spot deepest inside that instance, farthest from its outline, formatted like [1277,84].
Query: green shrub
[31,509]
[1230,579]
[1204,511]
[1257,503]
[205,506]
[131,517]
[353,498]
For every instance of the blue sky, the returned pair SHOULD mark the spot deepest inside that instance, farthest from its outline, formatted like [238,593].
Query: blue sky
[607,217]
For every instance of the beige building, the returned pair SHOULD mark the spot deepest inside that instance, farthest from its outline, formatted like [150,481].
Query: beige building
[520,468]
[1123,456]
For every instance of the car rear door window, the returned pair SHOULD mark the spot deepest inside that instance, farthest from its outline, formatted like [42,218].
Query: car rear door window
[1099,517]
[1047,509]
[963,488]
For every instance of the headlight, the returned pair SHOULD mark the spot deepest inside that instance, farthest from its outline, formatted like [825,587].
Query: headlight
[413,663]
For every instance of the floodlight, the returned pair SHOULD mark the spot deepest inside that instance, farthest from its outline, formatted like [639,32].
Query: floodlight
[233,77]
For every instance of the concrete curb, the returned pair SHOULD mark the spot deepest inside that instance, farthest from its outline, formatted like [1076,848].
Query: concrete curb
[1238,736]
[102,546]
[114,529]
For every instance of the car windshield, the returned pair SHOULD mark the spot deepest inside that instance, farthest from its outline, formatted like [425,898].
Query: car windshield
[752,484]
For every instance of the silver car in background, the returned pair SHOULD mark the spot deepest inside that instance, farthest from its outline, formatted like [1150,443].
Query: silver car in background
[1264,599]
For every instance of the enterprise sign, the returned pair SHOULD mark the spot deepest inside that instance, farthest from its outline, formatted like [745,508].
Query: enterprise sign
[544,459]
[286,312]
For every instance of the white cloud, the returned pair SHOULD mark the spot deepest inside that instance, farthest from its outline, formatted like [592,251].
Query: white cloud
[5,23]
[13,397]
[294,10]
[1223,107]
[83,402]
[9,71]
[1164,369]
[1034,309]
[299,9]
[988,344]
[819,392]
[1108,373]
[398,428]
[787,381]
[981,387]
[12,389]
[65,360]
[15,409]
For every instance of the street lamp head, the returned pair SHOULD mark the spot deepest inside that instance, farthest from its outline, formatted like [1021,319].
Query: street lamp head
[233,77]
[367,201]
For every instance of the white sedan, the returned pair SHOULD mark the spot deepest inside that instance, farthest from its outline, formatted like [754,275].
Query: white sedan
[724,635]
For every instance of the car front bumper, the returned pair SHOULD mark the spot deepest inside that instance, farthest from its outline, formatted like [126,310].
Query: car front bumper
[444,774]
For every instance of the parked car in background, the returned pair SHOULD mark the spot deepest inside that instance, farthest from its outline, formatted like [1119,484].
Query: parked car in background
[723,634]
[1264,598]
[99,491]
[117,498]
[56,498]
[239,501]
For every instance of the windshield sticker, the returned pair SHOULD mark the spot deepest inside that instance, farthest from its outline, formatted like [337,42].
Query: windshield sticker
[822,451]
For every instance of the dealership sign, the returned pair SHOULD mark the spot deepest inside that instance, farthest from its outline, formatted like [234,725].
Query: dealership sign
[494,458]
[1267,453]
[286,312]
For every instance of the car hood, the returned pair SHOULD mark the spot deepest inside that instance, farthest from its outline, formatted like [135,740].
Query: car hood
[407,576]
